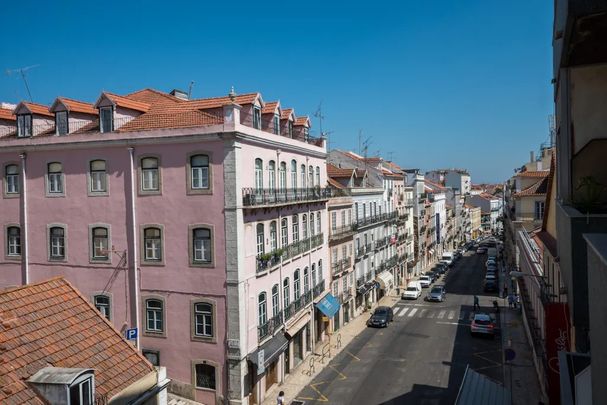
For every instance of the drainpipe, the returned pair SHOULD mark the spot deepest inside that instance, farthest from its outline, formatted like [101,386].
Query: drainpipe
[135,263]
[26,262]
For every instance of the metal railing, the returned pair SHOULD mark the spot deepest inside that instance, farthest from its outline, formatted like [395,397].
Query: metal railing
[270,326]
[370,220]
[341,266]
[254,197]
[295,306]
[318,288]
[341,231]
[267,261]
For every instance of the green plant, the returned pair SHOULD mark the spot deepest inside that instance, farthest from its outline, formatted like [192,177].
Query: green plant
[588,193]
[278,253]
[265,257]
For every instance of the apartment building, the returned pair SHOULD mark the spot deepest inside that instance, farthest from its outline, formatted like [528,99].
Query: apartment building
[491,210]
[201,223]
[457,179]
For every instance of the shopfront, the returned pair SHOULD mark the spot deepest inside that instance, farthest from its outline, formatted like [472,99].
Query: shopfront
[266,367]
[386,282]
[297,333]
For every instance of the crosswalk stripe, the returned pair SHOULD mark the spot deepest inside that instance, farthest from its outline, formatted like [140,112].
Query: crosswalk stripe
[404,311]
[396,310]
[422,312]
[451,314]
[431,315]
[413,311]
[441,314]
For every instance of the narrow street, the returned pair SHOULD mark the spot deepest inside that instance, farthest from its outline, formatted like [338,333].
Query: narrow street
[422,356]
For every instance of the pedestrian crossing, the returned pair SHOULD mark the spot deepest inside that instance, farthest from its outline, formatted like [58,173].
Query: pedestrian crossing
[405,312]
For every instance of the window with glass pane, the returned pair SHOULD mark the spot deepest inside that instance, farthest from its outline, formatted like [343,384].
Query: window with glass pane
[152,244]
[285,292]
[205,376]
[272,175]
[256,117]
[306,280]
[282,177]
[275,303]
[24,125]
[55,177]
[106,119]
[81,393]
[13,241]
[304,226]
[334,255]
[273,236]
[100,244]
[290,129]
[310,177]
[295,226]
[276,124]
[334,221]
[102,303]
[318,223]
[344,252]
[203,319]
[293,174]
[303,176]
[259,174]
[320,270]
[296,286]
[318,176]
[200,172]
[343,218]
[57,243]
[336,289]
[313,274]
[284,232]
[202,245]
[61,123]
[260,240]
[149,174]
[153,356]
[262,309]
[98,176]
[154,315]
[11,178]
[312,224]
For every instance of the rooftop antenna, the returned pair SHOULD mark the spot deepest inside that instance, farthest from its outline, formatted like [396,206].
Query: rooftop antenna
[551,129]
[391,155]
[190,90]
[318,114]
[22,71]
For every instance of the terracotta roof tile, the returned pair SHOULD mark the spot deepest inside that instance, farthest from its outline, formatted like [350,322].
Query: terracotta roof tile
[536,189]
[270,107]
[164,120]
[151,96]
[79,106]
[286,113]
[338,172]
[125,102]
[335,183]
[39,109]
[207,103]
[302,121]
[6,114]
[51,323]
[534,173]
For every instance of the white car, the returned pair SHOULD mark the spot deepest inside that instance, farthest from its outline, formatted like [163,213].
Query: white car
[412,292]
[425,281]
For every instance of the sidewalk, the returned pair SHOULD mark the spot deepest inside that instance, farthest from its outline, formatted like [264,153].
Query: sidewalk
[520,376]
[299,378]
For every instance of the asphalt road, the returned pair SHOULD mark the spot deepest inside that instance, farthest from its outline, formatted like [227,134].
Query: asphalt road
[421,357]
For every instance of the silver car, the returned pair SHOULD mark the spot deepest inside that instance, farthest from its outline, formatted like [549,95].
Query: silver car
[437,294]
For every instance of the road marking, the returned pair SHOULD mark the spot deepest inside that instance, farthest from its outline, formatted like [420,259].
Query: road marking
[451,323]
[353,356]
[451,314]
[413,311]
[441,314]
[341,375]
[322,398]
[396,310]
[404,312]
[431,315]
[422,312]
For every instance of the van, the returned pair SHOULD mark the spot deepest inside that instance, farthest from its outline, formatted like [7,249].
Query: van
[413,291]
[447,258]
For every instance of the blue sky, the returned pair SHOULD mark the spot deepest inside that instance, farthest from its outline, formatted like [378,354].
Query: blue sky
[435,83]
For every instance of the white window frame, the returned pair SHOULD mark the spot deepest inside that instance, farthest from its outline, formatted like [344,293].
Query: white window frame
[24,125]
[106,123]
[199,173]
[204,318]
[202,246]
[55,178]
[97,176]
[11,179]
[152,245]
[150,176]
[262,308]
[104,308]
[13,242]
[157,317]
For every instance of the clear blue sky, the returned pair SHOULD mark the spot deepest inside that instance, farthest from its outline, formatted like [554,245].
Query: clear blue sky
[438,83]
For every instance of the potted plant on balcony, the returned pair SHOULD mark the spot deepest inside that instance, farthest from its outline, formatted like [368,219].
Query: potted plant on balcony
[277,254]
[264,259]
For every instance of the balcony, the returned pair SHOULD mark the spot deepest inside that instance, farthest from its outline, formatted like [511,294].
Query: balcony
[296,306]
[341,266]
[253,197]
[375,219]
[341,232]
[380,243]
[318,288]
[269,260]
[270,326]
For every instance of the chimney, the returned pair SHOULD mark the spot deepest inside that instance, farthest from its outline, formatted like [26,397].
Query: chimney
[531,157]
[179,94]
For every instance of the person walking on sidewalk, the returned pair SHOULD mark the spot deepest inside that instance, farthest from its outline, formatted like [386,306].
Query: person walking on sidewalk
[476,306]
[510,301]
[280,400]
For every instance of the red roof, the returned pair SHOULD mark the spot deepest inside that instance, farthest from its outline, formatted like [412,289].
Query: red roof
[151,96]
[6,114]
[39,109]
[334,183]
[286,113]
[51,323]
[302,121]
[78,106]
[534,173]
[270,107]
[536,189]
[125,102]
[434,185]
[216,102]
[338,172]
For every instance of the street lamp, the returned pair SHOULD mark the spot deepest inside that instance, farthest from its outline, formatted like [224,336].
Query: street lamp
[543,285]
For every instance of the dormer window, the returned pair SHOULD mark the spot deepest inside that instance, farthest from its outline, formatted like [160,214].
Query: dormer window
[106,119]
[276,124]
[81,393]
[68,386]
[24,125]
[61,123]
[290,129]
[306,132]
[256,117]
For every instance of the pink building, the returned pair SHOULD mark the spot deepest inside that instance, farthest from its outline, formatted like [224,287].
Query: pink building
[170,215]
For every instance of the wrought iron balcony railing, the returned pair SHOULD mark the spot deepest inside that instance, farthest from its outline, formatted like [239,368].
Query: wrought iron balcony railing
[252,197]
[318,288]
[270,326]
[269,260]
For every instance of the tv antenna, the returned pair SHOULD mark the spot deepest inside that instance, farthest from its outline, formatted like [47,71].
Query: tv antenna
[190,90]
[318,114]
[22,71]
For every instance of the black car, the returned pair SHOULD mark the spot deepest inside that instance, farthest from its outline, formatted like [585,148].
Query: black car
[490,286]
[440,268]
[381,317]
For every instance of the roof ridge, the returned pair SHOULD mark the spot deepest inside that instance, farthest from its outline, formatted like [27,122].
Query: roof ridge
[21,287]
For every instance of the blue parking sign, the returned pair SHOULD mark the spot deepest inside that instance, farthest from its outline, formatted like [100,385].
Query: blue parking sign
[131,334]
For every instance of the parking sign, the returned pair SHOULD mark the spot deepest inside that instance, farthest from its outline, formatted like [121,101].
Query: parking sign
[131,334]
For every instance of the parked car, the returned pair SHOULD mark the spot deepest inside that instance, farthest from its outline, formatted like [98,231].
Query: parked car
[437,293]
[440,268]
[433,275]
[491,272]
[481,250]
[482,324]
[413,291]
[381,317]
[490,285]
[490,262]
[425,281]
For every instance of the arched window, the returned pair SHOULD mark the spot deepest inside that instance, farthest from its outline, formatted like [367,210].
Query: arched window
[318,176]
[100,239]
[311,224]
[306,278]
[260,240]
[258,174]
[310,177]
[98,176]
[273,236]
[275,301]
[293,174]
[313,275]
[304,226]
[303,176]
[285,293]
[262,309]
[199,171]
[318,224]
[284,232]
[282,177]
[272,175]
[201,245]
[320,270]
[295,226]
[13,241]
[55,178]
[57,243]
[296,290]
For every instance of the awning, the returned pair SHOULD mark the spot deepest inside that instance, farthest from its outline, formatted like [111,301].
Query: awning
[365,288]
[272,349]
[476,389]
[297,325]
[431,251]
[328,305]
[385,280]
